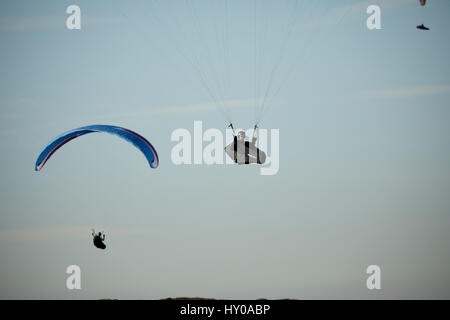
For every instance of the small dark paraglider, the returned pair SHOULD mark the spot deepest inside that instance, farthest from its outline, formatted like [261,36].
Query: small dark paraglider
[422,27]
[98,239]
[244,152]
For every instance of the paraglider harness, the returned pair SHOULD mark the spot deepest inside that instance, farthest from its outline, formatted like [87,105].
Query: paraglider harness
[98,239]
[237,156]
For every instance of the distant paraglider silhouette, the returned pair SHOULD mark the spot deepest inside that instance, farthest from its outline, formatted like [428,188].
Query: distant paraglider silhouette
[422,27]
[98,240]
[134,138]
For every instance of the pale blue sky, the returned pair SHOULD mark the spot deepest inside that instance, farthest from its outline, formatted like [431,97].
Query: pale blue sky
[364,150]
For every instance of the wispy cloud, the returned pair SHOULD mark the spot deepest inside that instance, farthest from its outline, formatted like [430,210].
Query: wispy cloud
[407,92]
[355,9]
[67,232]
[192,108]
[24,23]
[39,22]
[38,234]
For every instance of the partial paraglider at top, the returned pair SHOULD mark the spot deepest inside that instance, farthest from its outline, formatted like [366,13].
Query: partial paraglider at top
[422,27]
[134,138]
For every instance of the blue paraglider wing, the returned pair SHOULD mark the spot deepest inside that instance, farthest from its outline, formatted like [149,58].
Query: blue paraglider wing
[137,140]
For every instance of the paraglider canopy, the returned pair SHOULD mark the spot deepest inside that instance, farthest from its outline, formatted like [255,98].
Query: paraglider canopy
[134,138]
